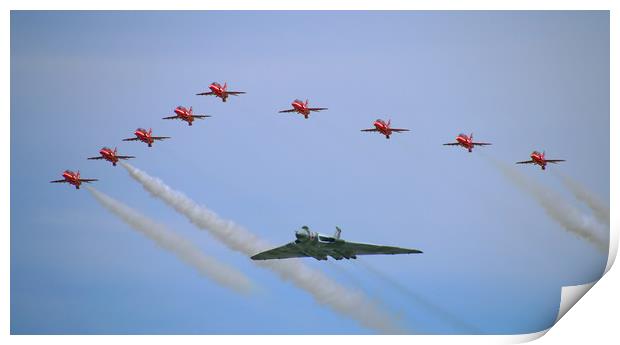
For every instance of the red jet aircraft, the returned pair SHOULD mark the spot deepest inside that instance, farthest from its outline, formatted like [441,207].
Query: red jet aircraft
[220,91]
[74,179]
[110,155]
[185,114]
[539,159]
[301,108]
[466,141]
[384,128]
[145,136]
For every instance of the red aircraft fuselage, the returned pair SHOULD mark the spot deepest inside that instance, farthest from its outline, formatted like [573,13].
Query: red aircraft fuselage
[144,136]
[109,155]
[539,159]
[301,107]
[465,141]
[383,127]
[185,114]
[219,90]
[72,178]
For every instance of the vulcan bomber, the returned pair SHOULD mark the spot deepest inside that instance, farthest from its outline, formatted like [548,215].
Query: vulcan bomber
[319,246]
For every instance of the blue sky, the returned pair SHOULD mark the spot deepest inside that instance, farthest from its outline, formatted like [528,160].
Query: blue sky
[522,80]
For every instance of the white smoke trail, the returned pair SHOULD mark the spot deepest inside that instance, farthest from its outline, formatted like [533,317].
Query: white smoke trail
[599,209]
[183,249]
[353,304]
[564,214]
[460,325]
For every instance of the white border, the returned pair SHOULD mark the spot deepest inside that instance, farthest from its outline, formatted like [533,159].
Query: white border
[573,326]
[313,5]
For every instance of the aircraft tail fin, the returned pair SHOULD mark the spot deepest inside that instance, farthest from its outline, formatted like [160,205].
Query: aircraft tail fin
[337,233]
[306,104]
[471,136]
[150,131]
[225,86]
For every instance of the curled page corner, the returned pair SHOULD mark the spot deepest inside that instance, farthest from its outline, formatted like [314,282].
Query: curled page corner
[526,338]
[613,247]
[570,296]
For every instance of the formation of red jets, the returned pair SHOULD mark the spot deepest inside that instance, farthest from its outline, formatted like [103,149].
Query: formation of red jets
[184,114]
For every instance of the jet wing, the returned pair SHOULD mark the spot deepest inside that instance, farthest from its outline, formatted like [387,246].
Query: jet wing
[370,249]
[284,252]
[58,181]
[171,117]
[554,160]
[125,157]
[87,180]
[317,109]
[481,144]
[131,139]
[98,157]
[235,93]
[160,138]
[201,116]
[287,111]
[397,130]
[204,94]
[369,130]
[526,162]
[452,144]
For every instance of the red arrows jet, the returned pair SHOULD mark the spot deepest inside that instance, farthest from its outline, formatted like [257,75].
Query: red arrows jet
[74,179]
[110,155]
[185,114]
[220,91]
[145,136]
[539,159]
[466,141]
[384,128]
[301,108]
